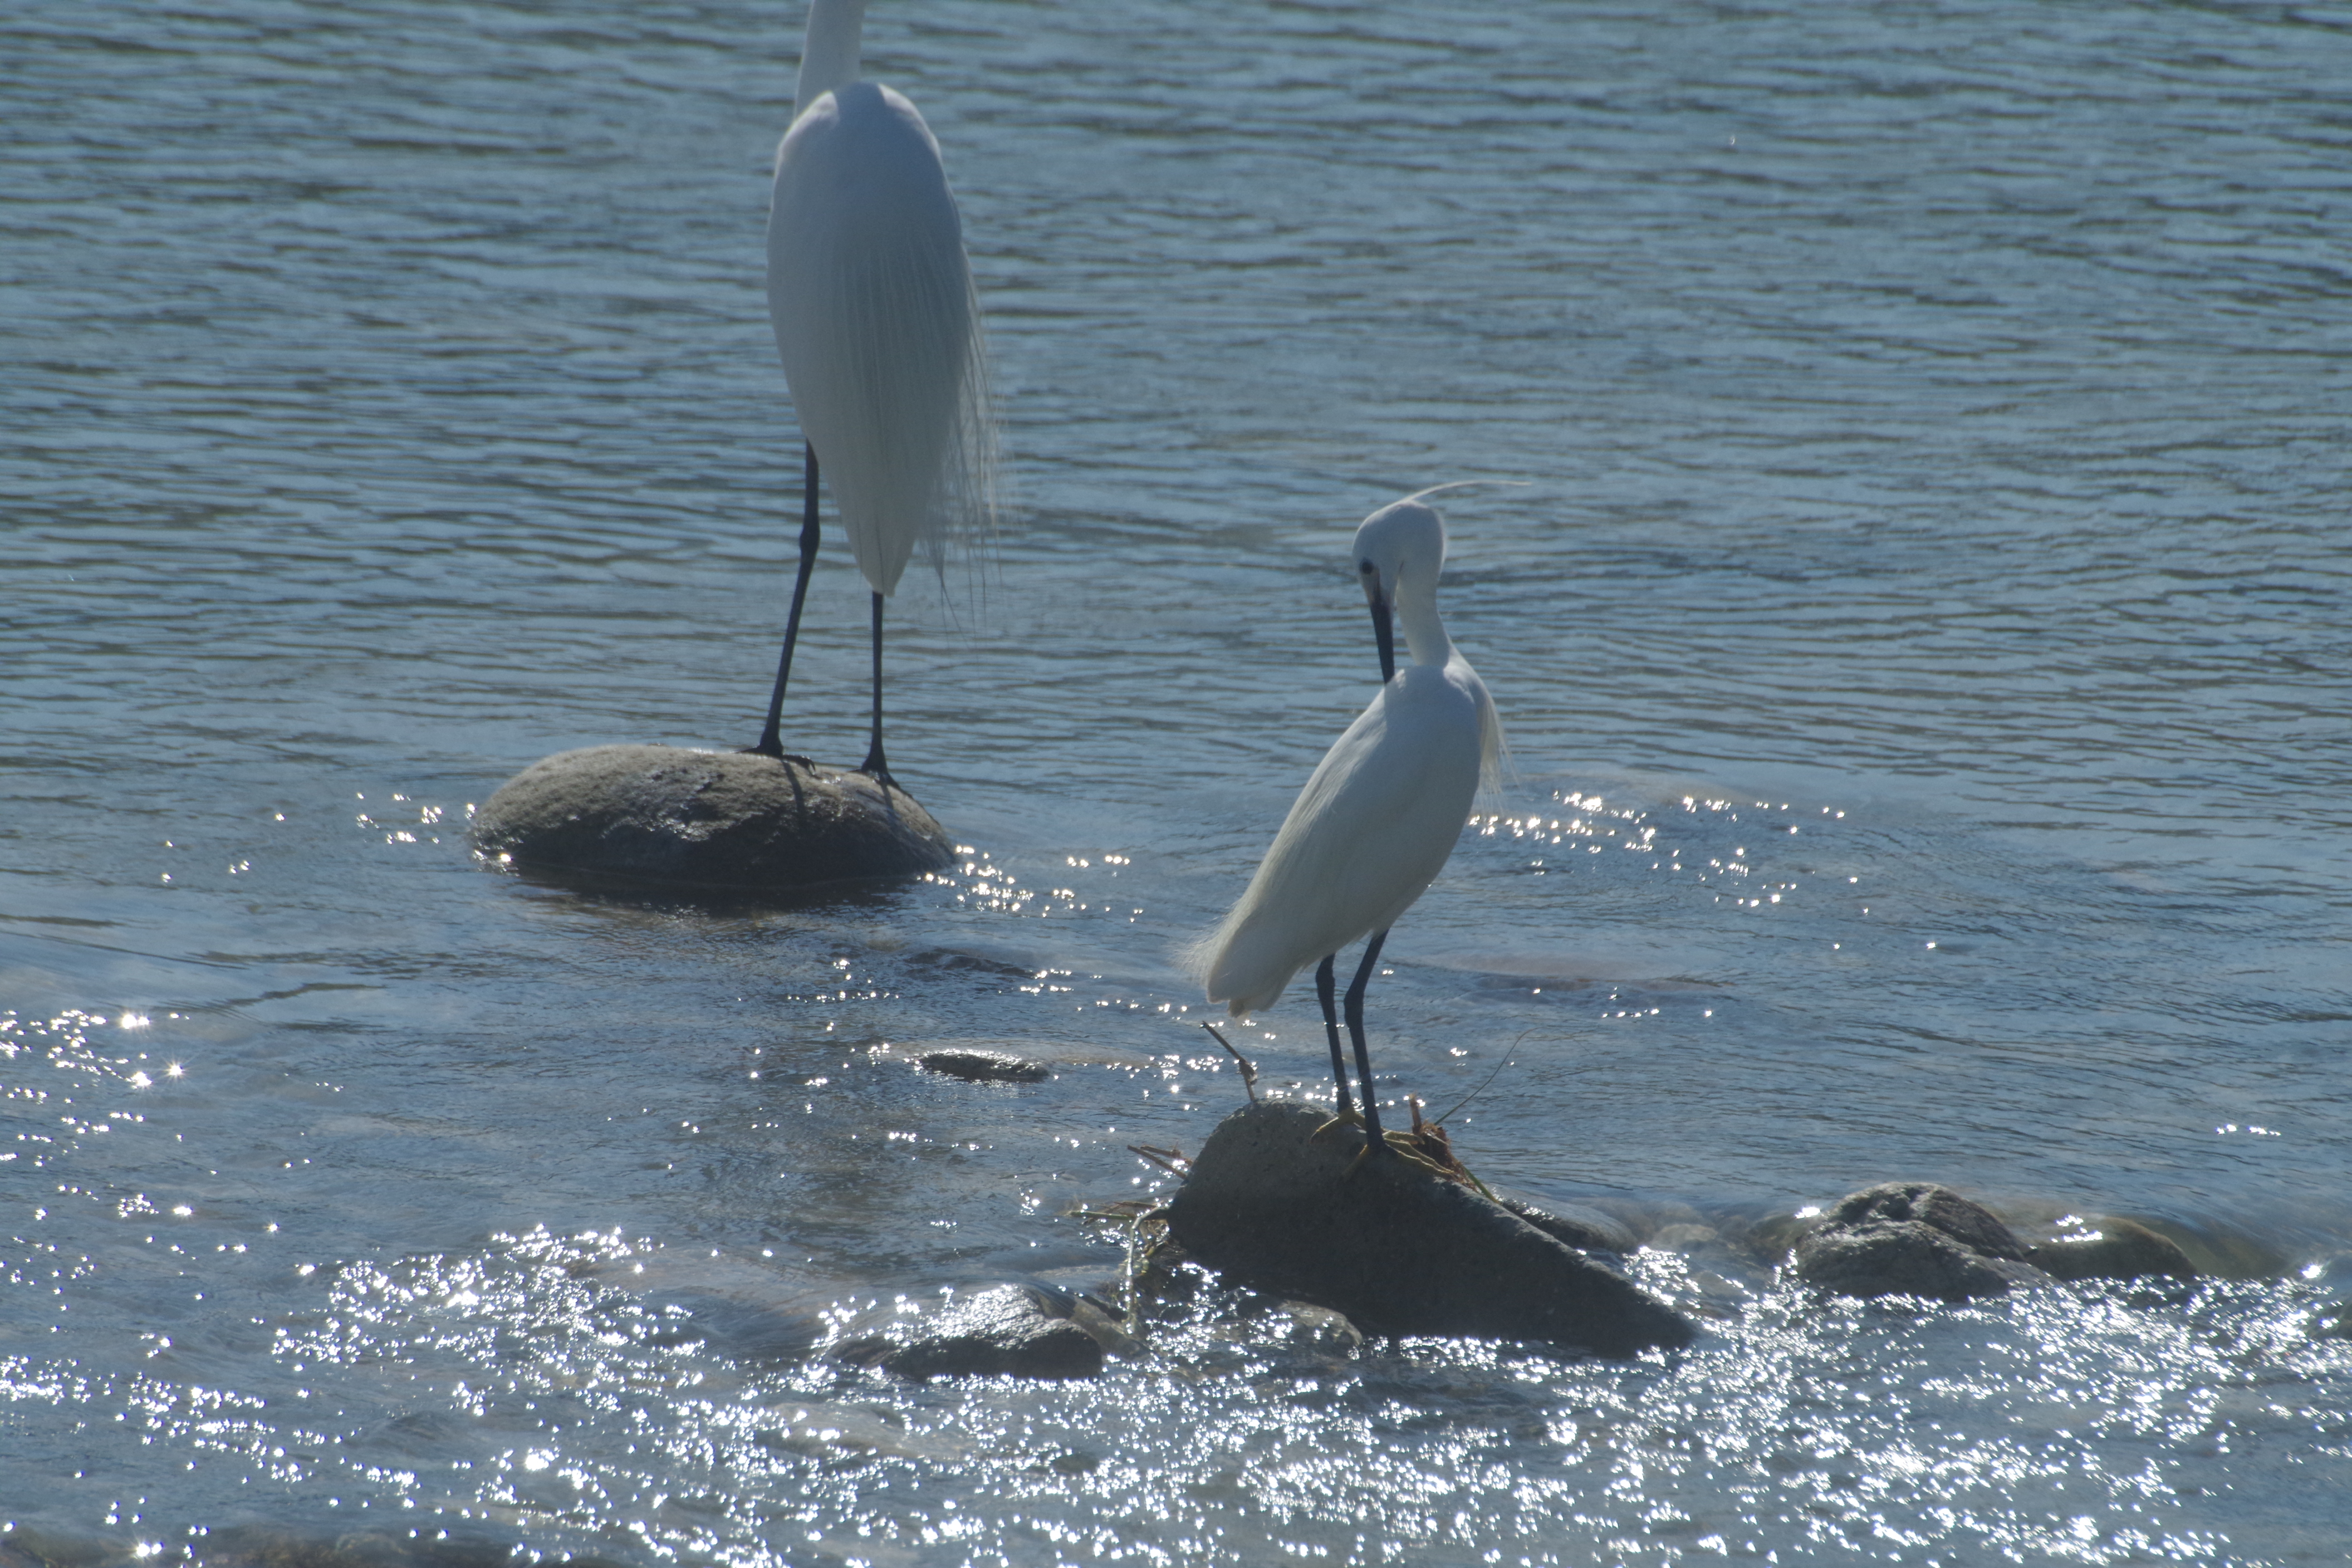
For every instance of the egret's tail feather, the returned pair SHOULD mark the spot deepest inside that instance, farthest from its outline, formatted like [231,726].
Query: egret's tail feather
[1227,974]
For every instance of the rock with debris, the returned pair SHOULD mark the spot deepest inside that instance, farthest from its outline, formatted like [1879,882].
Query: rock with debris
[1396,1247]
[1914,1238]
[671,817]
[984,1067]
[2111,1249]
[1008,1330]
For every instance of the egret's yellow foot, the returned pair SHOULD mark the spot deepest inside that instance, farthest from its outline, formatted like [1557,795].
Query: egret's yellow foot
[1345,1119]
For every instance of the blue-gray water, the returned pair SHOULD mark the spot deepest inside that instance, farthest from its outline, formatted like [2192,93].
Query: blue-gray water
[1927,647]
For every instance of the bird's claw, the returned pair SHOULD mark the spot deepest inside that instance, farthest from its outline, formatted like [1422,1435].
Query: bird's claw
[1344,1119]
[1382,1145]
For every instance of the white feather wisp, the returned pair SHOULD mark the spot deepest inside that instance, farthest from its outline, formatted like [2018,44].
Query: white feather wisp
[871,297]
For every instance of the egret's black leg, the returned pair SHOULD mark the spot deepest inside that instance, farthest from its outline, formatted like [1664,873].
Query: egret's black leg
[771,743]
[874,764]
[1355,1033]
[1327,991]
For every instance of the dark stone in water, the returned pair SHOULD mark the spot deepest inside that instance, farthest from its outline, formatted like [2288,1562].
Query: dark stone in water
[1394,1248]
[984,1067]
[669,815]
[2112,1248]
[1914,1238]
[1005,1331]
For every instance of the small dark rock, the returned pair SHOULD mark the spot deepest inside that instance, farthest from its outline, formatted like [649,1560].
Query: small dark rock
[1006,1331]
[2112,1249]
[1394,1248]
[984,1067]
[1914,1238]
[671,815]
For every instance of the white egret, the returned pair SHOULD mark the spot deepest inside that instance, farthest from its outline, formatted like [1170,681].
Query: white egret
[871,297]
[1380,814]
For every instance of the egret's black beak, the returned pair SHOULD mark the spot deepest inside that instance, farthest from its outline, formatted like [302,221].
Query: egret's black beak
[1385,635]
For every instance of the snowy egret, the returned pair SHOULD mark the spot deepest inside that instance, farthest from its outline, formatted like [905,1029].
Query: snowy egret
[871,297]
[1381,812]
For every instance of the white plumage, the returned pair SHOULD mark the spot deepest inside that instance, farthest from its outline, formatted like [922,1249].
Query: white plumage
[871,298]
[870,295]
[1380,814]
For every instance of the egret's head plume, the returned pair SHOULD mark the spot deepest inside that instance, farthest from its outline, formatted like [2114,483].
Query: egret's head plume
[1465,484]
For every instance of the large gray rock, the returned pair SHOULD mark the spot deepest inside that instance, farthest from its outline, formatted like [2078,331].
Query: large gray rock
[1398,1249]
[1914,1238]
[667,814]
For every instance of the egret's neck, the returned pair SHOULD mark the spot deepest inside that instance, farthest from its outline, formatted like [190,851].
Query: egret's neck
[1416,611]
[829,52]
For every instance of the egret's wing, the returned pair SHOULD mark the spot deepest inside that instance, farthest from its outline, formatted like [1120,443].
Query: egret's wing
[872,302]
[1370,830]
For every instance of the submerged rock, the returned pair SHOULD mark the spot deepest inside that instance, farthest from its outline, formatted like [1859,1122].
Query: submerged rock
[669,815]
[1004,1332]
[1304,1326]
[2112,1249]
[984,1067]
[1589,1230]
[1396,1248]
[1914,1238]
[838,1432]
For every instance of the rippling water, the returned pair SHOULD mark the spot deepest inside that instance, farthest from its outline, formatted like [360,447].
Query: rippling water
[1924,649]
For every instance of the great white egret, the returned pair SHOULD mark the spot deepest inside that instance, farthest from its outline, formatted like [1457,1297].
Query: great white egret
[1381,812]
[871,297]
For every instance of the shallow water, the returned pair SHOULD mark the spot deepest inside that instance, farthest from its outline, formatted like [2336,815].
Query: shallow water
[1923,651]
